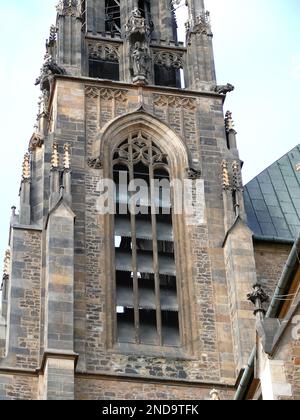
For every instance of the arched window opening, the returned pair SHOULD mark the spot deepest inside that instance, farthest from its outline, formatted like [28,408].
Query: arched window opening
[147,308]
[169,77]
[103,62]
[169,69]
[112,17]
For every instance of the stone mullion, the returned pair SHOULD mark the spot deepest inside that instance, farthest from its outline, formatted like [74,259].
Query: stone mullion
[134,253]
[155,252]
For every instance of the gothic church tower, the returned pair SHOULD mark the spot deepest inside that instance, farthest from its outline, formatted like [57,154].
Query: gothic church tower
[126,306]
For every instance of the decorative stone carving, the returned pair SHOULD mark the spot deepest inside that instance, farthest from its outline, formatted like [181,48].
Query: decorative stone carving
[67,156]
[105,52]
[229,123]
[176,3]
[137,28]
[69,8]
[141,60]
[43,104]
[138,35]
[140,149]
[237,176]
[6,266]
[258,297]
[95,163]
[51,42]
[35,142]
[225,176]
[224,89]
[169,59]
[92,92]
[55,156]
[214,395]
[118,95]
[49,69]
[200,25]
[26,169]
[193,173]
[175,101]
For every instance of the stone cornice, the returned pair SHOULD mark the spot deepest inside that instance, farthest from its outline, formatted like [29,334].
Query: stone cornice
[150,88]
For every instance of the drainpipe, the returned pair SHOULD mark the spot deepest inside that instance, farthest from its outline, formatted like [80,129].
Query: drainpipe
[246,378]
[291,264]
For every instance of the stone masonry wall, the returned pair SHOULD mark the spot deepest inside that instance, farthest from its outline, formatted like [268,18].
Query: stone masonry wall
[270,260]
[105,389]
[291,356]
[79,115]
[213,359]
[18,387]
[25,299]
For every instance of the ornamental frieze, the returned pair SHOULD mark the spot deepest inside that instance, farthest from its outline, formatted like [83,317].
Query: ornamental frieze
[174,101]
[118,95]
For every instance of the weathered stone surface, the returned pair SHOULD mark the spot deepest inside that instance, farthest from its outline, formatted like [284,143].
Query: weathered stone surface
[105,389]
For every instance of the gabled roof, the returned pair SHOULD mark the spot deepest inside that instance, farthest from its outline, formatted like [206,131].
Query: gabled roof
[272,199]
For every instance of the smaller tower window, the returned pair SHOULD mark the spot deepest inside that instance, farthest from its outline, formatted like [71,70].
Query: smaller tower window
[168,69]
[104,69]
[103,62]
[167,76]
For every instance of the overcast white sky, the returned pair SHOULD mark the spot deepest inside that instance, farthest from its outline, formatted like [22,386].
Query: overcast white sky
[257,48]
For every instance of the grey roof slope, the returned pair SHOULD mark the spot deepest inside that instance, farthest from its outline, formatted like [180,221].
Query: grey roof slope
[272,199]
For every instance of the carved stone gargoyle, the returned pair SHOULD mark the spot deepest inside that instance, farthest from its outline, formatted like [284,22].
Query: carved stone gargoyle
[224,89]
[49,69]
[193,173]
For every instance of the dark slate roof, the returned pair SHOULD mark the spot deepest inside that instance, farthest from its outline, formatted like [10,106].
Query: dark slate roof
[272,199]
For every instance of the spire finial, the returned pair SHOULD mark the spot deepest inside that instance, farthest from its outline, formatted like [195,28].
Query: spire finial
[55,156]
[69,8]
[26,167]
[67,156]
[229,123]
[6,266]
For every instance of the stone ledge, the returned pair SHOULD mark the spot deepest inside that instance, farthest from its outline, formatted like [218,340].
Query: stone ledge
[151,380]
[27,227]
[52,354]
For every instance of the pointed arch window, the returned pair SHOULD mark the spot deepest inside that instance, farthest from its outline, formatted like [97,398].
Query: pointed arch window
[147,310]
